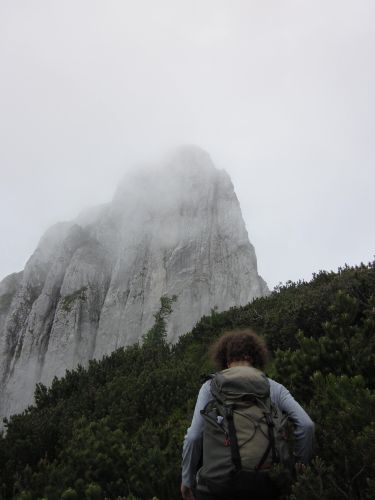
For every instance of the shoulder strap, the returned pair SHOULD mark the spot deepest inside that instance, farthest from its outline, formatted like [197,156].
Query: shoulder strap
[206,376]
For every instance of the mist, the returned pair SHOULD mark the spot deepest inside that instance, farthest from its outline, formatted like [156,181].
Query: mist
[280,94]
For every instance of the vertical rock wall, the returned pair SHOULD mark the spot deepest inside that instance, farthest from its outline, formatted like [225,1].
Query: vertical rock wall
[93,285]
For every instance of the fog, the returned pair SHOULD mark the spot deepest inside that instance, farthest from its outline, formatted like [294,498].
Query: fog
[280,93]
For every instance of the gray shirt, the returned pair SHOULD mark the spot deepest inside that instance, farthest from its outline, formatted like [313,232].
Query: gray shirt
[280,396]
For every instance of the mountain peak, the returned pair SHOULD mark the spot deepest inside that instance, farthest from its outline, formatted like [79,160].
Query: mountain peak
[192,155]
[94,284]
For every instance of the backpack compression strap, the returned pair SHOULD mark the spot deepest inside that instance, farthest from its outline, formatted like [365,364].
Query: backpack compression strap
[271,444]
[234,449]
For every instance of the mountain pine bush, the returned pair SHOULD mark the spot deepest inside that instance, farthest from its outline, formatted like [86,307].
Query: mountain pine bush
[114,430]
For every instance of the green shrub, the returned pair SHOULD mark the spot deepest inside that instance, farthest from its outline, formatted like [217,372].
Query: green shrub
[115,429]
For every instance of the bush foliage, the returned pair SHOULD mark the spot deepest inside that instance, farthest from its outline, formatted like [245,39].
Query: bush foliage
[115,429]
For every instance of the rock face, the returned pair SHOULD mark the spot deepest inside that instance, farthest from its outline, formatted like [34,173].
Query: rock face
[94,284]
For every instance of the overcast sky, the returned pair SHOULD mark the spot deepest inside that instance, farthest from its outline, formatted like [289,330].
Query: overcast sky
[281,93]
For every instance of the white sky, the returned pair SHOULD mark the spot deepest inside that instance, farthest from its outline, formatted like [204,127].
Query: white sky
[281,93]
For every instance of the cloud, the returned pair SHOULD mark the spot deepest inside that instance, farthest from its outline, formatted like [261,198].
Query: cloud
[281,94]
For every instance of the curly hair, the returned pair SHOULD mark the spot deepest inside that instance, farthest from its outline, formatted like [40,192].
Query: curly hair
[239,345]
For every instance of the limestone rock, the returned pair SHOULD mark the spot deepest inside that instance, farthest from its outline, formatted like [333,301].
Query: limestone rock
[94,284]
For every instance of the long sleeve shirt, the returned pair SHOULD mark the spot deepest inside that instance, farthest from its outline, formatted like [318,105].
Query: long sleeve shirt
[280,397]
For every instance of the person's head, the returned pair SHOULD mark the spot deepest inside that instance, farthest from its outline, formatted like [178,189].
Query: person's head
[239,346]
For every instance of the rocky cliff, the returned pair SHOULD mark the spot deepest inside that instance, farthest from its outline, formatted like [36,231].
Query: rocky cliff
[93,285]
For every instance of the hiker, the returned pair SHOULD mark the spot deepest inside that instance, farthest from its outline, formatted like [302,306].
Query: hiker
[240,352]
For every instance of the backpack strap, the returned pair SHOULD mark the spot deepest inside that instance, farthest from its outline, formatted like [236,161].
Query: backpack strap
[235,452]
[206,376]
[271,445]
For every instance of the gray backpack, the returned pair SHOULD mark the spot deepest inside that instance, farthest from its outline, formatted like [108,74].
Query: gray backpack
[244,435]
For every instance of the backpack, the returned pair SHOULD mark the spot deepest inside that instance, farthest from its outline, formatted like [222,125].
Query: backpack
[244,434]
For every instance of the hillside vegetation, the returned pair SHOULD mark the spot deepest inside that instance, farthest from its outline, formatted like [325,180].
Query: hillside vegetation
[115,429]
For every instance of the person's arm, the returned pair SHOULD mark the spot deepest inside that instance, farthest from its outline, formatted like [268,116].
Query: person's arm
[192,448]
[303,425]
